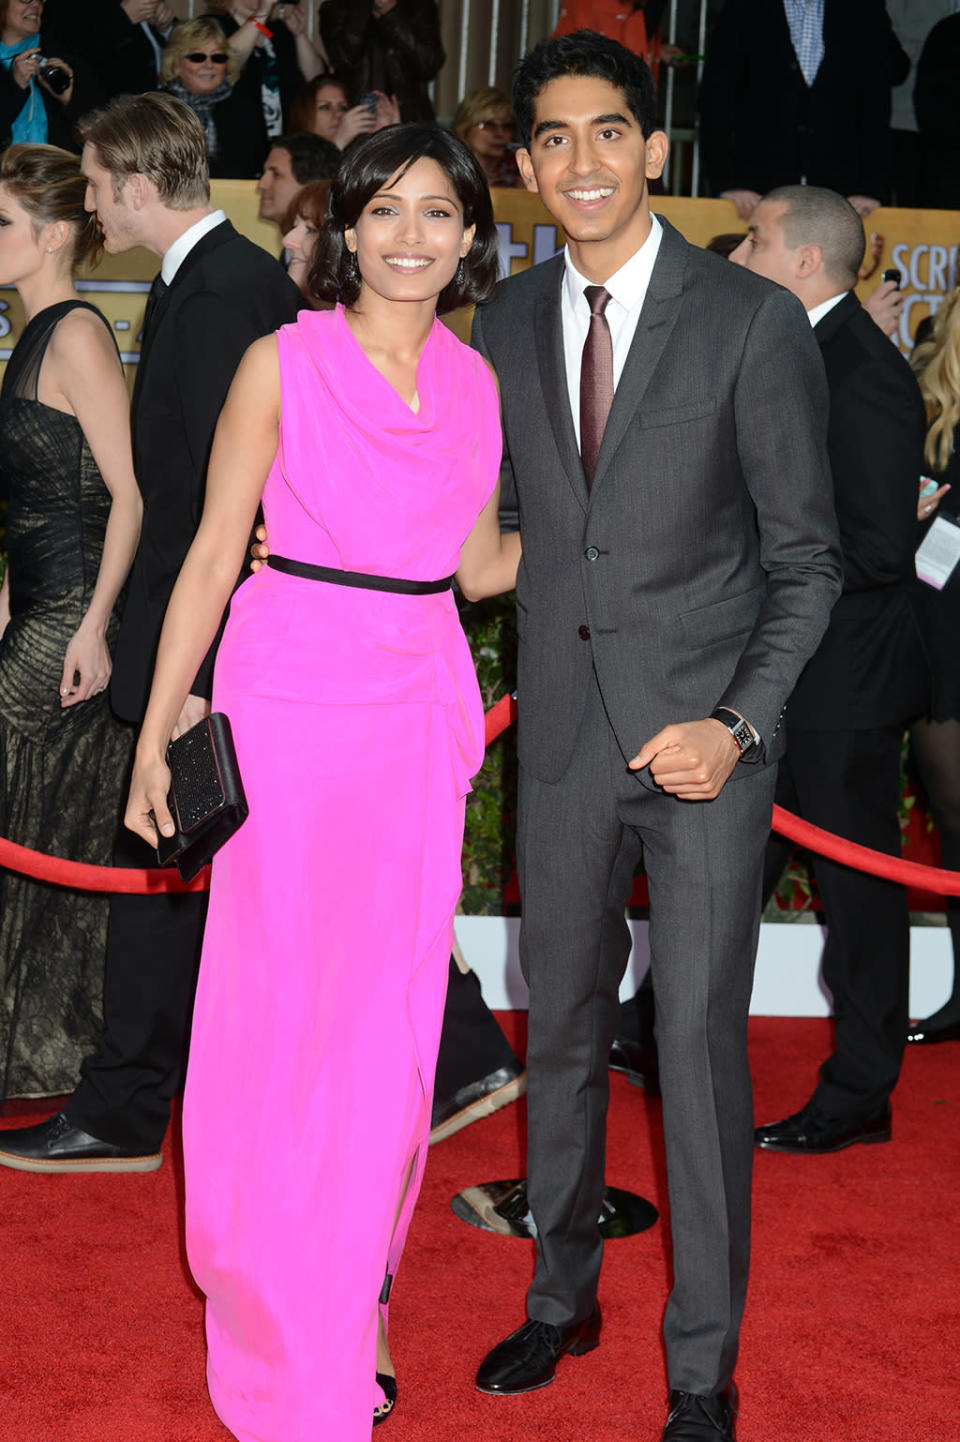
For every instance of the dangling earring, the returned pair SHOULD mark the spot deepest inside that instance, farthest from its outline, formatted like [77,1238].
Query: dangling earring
[353,266]
[460,273]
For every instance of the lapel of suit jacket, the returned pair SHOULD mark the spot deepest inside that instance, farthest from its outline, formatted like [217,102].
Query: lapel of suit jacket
[548,336]
[211,241]
[658,316]
[826,329]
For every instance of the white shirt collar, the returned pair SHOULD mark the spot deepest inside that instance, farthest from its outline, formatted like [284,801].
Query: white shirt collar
[816,315]
[628,285]
[183,245]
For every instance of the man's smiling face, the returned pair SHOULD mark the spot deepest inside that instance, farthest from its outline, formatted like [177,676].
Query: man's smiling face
[590,164]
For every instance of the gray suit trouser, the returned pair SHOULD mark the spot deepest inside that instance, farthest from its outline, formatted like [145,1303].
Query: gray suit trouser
[579,840]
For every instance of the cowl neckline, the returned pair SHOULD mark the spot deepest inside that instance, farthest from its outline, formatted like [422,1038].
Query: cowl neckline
[357,382]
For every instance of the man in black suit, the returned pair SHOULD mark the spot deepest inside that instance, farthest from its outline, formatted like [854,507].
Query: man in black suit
[799,91]
[846,718]
[664,432]
[146,165]
[120,41]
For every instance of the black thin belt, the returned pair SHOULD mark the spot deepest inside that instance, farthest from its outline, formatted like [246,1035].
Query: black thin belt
[358,578]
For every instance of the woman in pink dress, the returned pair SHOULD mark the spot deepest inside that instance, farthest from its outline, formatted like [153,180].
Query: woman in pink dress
[373,436]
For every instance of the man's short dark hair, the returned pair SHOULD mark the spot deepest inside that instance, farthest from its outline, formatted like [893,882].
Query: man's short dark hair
[311,157]
[366,168]
[815,216]
[583,53]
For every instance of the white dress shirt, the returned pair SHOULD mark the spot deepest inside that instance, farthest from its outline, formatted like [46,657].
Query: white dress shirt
[628,289]
[183,245]
[816,315]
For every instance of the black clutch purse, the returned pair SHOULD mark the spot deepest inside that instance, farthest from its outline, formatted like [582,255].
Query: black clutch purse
[206,798]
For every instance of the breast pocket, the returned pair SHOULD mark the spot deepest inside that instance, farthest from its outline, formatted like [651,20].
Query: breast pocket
[695,410]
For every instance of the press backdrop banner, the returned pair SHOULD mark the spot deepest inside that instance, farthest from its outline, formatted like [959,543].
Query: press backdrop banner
[921,244]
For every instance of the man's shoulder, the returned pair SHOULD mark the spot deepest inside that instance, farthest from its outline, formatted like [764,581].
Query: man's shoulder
[513,297]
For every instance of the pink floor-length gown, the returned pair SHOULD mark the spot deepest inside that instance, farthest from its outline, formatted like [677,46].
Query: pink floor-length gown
[358,723]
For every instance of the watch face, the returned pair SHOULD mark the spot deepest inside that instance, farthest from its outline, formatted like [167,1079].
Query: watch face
[743,736]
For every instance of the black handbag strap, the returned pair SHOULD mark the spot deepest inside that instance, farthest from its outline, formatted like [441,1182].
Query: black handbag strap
[358,578]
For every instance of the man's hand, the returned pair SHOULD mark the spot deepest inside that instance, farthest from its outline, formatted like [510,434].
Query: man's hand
[195,709]
[746,201]
[138,10]
[293,17]
[863,204]
[884,306]
[691,760]
[259,550]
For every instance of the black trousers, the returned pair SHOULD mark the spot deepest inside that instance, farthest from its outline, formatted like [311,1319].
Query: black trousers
[153,953]
[848,782]
[579,840]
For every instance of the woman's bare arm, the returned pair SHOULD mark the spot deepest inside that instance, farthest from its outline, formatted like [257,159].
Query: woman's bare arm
[244,446]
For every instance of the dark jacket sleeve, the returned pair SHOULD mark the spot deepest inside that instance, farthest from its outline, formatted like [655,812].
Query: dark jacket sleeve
[509,510]
[213,338]
[873,169]
[343,30]
[876,452]
[935,90]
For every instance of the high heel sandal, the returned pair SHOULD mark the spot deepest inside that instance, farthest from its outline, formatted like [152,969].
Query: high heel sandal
[388,1386]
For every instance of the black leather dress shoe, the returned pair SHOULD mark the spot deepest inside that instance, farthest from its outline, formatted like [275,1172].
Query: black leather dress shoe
[811,1130]
[923,1034]
[701,1419]
[477,1099]
[638,1062]
[56,1146]
[527,1359]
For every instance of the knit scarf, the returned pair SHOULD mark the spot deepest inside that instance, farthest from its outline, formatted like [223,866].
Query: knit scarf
[31,123]
[203,107]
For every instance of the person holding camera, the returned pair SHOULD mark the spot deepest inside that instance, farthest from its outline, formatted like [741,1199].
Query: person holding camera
[391,47]
[277,55]
[35,91]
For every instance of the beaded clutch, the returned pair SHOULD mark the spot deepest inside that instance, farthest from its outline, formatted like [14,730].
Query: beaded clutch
[206,800]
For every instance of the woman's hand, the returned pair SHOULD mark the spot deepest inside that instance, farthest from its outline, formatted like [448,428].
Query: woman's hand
[356,121]
[929,503]
[65,96]
[147,810]
[24,67]
[86,657]
[388,111]
[292,16]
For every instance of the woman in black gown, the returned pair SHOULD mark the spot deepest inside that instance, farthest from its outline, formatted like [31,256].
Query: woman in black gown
[936,740]
[73,518]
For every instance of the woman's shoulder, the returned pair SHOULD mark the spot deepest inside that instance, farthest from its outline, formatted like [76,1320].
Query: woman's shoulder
[458,353]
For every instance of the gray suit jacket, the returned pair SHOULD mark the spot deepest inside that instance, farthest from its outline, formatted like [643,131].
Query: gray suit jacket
[701,568]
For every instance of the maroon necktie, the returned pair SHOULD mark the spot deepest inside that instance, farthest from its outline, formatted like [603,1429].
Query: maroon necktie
[596,380]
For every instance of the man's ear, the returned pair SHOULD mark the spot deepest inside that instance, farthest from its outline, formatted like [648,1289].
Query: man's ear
[525,167]
[809,260]
[139,190]
[658,147]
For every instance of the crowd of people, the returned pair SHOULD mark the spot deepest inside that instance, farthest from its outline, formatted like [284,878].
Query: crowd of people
[776,645]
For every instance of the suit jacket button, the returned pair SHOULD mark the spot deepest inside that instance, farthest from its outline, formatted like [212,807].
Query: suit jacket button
[591,553]
[583,632]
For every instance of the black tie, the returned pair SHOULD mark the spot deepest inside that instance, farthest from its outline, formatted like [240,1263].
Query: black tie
[157,292]
[596,380]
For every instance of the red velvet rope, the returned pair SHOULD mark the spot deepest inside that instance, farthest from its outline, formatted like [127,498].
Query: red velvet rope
[132,881]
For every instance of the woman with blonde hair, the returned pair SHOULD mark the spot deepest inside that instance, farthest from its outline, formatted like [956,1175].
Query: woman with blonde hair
[936,740]
[484,121]
[200,69]
[73,519]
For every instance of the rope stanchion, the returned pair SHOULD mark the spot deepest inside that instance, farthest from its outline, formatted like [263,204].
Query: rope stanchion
[131,881]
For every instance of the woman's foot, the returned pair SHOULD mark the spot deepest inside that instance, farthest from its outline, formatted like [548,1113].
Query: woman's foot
[385,1376]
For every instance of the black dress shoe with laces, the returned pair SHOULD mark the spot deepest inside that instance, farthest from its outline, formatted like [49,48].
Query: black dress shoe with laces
[56,1146]
[701,1419]
[813,1131]
[528,1358]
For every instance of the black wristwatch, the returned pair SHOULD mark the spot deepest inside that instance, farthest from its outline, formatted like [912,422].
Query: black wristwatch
[740,730]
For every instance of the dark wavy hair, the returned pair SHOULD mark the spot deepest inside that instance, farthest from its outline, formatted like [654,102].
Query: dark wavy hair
[367,167]
[583,53]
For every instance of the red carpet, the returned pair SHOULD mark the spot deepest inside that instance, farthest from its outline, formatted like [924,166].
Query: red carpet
[852,1330]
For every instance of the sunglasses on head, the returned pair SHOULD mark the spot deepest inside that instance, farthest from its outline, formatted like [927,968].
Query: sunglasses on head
[197,57]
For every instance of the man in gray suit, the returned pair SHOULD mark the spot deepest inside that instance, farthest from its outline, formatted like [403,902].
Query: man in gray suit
[664,426]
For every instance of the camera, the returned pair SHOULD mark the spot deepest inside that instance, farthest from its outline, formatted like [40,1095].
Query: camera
[55,77]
